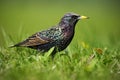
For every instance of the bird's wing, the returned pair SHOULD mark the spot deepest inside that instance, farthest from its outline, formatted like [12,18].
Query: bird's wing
[42,37]
[35,39]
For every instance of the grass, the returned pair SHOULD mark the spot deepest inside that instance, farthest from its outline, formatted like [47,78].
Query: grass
[81,61]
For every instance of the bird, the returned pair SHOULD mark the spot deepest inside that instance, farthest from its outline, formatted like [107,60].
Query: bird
[58,36]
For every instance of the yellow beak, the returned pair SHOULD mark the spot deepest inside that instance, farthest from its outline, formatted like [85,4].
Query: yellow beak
[83,17]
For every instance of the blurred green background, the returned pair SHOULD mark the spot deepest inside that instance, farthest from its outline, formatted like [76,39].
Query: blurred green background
[25,17]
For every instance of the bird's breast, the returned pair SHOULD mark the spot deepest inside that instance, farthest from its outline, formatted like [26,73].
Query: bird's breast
[68,33]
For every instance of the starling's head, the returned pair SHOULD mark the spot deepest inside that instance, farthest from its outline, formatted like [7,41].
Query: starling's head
[72,18]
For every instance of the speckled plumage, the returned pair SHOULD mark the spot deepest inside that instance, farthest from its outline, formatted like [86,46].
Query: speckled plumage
[58,36]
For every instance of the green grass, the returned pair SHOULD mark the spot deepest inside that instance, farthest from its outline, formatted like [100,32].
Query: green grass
[94,53]
[79,61]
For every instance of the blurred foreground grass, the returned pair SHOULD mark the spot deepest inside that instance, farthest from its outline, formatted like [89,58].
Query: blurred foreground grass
[93,54]
[80,61]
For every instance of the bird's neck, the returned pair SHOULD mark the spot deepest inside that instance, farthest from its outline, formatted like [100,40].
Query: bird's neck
[66,23]
[67,26]
[63,23]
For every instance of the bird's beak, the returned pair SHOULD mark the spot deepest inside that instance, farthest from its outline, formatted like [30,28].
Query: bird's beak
[83,17]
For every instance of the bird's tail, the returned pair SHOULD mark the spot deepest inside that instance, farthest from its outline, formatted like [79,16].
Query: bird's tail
[16,45]
[12,46]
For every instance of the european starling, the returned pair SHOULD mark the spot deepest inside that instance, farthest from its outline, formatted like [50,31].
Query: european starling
[58,36]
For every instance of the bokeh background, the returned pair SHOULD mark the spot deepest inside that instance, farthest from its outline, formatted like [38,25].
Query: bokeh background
[21,18]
